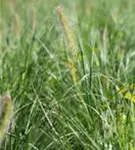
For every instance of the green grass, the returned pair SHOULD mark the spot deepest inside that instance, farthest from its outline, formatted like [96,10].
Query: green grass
[51,112]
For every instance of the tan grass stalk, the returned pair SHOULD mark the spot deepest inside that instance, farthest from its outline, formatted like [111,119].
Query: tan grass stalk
[33,11]
[73,70]
[6,109]
[70,42]
[68,32]
[12,5]
[16,25]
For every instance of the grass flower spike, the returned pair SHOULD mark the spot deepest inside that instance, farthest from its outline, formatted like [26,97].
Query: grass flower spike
[73,71]
[71,43]
[68,32]
[6,109]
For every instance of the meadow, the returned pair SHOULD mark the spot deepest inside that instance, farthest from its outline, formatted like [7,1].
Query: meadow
[69,67]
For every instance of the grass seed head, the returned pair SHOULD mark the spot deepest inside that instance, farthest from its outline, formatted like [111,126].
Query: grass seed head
[6,110]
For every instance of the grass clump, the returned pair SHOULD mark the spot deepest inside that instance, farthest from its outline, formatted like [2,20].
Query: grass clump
[74,95]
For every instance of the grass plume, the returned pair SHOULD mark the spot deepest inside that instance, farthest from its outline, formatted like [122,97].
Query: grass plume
[70,40]
[6,115]
[67,30]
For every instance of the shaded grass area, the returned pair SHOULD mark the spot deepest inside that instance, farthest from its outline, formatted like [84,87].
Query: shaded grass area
[52,112]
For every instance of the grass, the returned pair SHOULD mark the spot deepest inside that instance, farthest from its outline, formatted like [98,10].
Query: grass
[62,100]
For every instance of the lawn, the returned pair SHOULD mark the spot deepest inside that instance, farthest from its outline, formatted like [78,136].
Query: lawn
[69,67]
